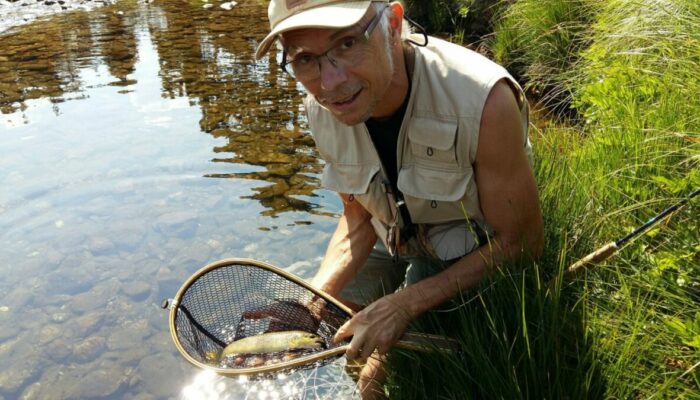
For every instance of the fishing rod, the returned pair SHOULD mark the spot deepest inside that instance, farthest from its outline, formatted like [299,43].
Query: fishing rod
[611,248]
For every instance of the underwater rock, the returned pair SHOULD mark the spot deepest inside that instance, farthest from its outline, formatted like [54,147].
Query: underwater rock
[89,349]
[156,379]
[137,291]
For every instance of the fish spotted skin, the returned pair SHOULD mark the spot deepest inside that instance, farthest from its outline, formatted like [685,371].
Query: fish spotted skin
[273,342]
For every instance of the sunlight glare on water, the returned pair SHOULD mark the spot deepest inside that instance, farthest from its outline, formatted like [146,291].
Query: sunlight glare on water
[327,383]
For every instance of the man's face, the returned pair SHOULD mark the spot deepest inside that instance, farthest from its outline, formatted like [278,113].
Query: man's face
[351,93]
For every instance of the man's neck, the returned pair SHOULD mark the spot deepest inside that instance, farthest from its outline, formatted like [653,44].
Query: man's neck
[398,88]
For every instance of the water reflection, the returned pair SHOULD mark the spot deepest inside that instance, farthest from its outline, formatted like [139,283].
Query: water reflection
[115,128]
[206,56]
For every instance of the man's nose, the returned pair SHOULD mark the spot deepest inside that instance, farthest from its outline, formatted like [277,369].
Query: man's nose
[332,74]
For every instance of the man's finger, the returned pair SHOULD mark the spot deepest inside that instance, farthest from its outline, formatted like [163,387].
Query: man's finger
[354,351]
[359,348]
[382,350]
[366,351]
[343,332]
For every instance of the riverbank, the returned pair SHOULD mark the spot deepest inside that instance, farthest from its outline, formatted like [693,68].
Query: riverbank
[19,12]
[620,82]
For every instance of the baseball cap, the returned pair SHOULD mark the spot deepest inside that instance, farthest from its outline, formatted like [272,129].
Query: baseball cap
[286,15]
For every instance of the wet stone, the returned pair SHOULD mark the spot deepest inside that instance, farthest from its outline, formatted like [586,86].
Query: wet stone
[128,236]
[74,275]
[19,298]
[122,305]
[179,223]
[125,336]
[49,333]
[137,291]
[157,375]
[129,356]
[196,254]
[87,301]
[7,330]
[96,383]
[6,347]
[31,392]
[50,386]
[87,324]
[101,245]
[161,341]
[168,283]
[58,350]
[95,298]
[88,349]
[33,319]
[16,374]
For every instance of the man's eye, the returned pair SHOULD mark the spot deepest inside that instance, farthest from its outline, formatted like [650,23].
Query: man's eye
[302,60]
[348,43]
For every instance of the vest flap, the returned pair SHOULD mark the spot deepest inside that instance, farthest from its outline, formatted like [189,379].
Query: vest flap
[348,178]
[432,132]
[429,184]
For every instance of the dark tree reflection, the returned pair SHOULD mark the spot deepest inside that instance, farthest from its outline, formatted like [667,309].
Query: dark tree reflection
[205,55]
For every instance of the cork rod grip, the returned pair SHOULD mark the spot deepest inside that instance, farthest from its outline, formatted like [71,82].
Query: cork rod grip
[594,257]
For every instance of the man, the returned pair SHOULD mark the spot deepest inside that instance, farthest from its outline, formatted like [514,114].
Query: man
[426,143]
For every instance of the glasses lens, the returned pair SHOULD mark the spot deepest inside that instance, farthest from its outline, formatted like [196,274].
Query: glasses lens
[348,53]
[303,68]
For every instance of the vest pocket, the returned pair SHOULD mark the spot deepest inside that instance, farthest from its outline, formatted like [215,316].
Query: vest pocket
[348,178]
[432,140]
[364,182]
[433,196]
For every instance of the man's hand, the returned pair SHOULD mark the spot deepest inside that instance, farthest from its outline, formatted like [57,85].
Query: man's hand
[379,326]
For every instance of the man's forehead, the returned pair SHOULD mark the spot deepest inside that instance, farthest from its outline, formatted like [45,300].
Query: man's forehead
[295,38]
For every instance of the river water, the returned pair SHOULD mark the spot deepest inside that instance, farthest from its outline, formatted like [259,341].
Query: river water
[138,143]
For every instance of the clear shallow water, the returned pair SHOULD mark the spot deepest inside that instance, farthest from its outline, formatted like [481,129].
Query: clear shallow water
[137,144]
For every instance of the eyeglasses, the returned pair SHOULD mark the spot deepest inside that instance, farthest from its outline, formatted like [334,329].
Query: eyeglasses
[348,53]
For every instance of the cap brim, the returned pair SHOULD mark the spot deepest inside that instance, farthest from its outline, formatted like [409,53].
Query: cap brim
[337,15]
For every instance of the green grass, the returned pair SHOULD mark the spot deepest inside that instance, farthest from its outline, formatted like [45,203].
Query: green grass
[538,41]
[628,328]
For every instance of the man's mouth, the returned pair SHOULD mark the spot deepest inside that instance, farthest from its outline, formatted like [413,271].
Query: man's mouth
[344,102]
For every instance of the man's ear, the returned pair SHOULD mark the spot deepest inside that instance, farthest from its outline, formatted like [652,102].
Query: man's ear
[395,19]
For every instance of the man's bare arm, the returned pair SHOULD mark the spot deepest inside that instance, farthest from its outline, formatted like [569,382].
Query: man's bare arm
[509,202]
[348,249]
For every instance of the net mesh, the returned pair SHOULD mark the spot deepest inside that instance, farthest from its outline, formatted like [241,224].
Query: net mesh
[239,300]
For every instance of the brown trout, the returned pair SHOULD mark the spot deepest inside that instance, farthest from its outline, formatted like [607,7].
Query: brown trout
[273,342]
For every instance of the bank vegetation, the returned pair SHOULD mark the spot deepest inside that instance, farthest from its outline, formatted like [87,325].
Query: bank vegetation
[614,85]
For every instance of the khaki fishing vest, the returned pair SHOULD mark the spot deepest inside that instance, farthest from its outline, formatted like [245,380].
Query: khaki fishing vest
[436,146]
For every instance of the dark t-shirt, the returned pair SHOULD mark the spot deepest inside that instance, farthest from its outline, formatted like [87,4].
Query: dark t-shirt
[385,136]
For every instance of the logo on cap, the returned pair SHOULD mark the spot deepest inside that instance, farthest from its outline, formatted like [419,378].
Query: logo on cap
[294,3]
